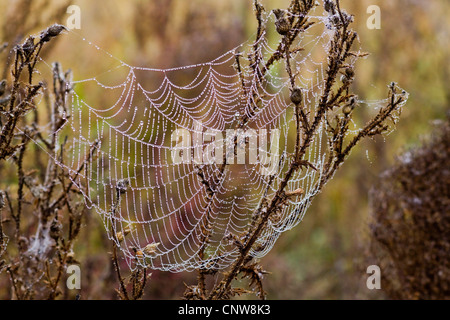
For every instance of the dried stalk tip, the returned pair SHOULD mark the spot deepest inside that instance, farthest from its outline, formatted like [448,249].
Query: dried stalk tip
[52,32]
[296,96]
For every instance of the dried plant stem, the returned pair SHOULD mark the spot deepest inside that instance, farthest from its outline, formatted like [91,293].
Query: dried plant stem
[123,293]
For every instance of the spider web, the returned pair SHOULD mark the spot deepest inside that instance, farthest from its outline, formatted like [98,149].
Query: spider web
[157,209]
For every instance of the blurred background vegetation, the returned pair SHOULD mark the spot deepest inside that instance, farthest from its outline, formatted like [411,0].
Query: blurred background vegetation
[326,256]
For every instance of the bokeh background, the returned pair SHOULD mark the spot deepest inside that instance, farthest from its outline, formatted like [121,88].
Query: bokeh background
[326,256]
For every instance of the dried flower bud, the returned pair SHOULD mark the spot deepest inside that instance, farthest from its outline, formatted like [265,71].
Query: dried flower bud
[296,96]
[348,108]
[122,234]
[349,72]
[28,46]
[348,76]
[282,26]
[151,248]
[119,236]
[51,32]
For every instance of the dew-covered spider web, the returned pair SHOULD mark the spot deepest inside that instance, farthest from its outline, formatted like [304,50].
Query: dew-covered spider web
[135,131]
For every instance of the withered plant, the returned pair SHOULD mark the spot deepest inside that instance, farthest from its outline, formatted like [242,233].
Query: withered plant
[39,251]
[336,96]
[410,221]
[36,250]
